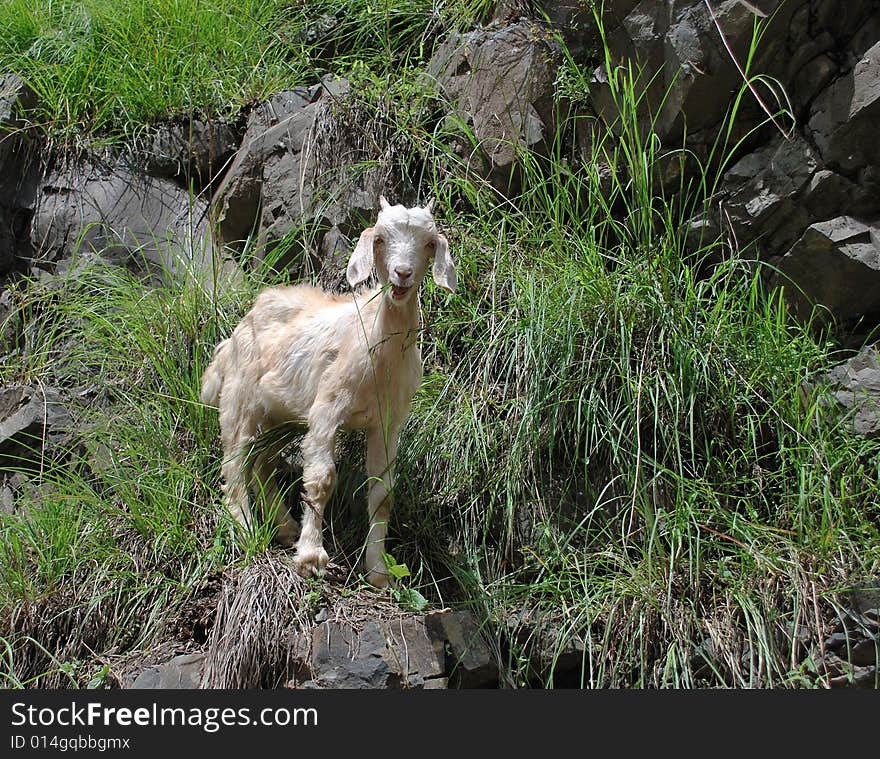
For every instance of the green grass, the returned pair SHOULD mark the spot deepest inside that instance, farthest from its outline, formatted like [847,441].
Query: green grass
[103,68]
[614,450]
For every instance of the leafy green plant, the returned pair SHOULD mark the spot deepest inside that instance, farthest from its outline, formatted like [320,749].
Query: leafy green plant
[408,597]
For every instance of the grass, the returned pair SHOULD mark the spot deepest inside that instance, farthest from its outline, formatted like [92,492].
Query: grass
[615,456]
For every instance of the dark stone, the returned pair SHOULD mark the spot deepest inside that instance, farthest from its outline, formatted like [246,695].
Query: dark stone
[192,150]
[855,386]
[835,263]
[688,77]
[35,425]
[865,653]
[385,654]
[836,641]
[500,82]
[865,597]
[764,189]
[19,158]
[181,673]
[855,677]
[102,210]
[301,168]
[843,120]
[472,664]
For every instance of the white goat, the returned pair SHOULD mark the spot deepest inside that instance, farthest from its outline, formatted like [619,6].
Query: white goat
[333,362]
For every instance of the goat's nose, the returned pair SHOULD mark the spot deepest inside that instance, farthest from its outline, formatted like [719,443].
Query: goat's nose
[403,272]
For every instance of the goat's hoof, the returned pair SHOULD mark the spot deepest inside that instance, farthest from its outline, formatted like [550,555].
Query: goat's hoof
[377,578]
[310,562]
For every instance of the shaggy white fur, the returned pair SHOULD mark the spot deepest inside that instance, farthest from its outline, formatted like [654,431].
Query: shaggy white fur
[333,362]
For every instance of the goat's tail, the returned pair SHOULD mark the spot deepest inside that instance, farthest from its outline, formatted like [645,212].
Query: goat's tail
[212,379]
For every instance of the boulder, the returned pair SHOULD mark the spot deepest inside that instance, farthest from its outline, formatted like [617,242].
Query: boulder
[102,208]
[35,426]
[380,654]
[844,117]
[183,672]
[472,664]
[686,71]
[313,161]
[763,194]
[192,152]
[19,154]
[500,83]
[835,263]
[855,387]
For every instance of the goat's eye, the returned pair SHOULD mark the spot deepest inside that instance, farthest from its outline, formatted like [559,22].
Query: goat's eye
[431,245]
[378,241]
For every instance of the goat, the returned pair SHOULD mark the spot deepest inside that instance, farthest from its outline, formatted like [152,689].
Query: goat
[333,362]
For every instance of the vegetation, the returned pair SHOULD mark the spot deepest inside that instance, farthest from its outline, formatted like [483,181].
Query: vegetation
[616,443]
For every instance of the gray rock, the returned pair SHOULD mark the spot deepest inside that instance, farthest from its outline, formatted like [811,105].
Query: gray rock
[843,119]
[19,154]
[380,654]
[472,664]
[855,386]
[865,598]
[835,263]
[836,641]
[500,82]
[181,673]
[35,426]
[764,191]
[688,75]
[192,149]
[313,160]
[865,653]
[103,209]
[343,657]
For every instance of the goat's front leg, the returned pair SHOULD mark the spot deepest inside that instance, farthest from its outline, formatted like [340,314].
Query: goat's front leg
[381,453]
[319,479]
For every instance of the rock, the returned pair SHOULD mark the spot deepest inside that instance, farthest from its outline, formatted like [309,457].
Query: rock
[379,654]
[865,597]
[313,160]
[843,118]
[194,150]
[35,426]
[180,673]
[102,209]
[858,677]
[472,664]
[688,76]
[573,19]
[865,653]
[855,386]
[764,191]
[836,641]
[836,263]
[500,82]
[19,159]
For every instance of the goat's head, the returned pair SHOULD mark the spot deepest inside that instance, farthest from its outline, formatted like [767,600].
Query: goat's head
[400,246]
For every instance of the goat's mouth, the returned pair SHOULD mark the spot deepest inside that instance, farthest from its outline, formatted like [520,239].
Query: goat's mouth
[398,292]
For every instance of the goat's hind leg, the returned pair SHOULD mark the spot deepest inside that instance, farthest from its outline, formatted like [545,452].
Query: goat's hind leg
[319,479]
[237,436]
[266,457]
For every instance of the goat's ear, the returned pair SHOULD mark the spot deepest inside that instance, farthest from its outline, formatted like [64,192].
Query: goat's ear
[361,262]
[444,269]
[383,203]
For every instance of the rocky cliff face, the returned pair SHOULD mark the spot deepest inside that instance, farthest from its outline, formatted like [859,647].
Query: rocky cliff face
[802,188]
